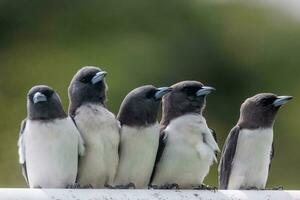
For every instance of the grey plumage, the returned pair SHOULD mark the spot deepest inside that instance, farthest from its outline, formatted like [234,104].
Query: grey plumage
[140,107]
[187,146]
[255,125]
[82,90]
[98,126]
[51,110]
[139,135]
[40,141]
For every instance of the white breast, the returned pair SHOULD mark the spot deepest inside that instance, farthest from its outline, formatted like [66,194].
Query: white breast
[51,152]
[138,150]
[100,131]
[186,159]
[252,158]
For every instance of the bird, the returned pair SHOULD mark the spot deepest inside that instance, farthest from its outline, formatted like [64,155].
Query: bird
[139,136]
[187,146]
[49,143]
[97,125]
[249,149]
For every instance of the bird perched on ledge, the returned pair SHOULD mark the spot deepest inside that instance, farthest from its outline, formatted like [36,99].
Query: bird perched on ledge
[248,150]
[139,136]
[49,142]
[98,127]
[187,146]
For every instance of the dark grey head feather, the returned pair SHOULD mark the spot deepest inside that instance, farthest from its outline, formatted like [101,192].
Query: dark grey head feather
[259,111]
[48,109]
[141,106]
[83,89]
[182,100]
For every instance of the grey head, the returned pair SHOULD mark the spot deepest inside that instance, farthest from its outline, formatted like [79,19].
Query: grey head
[43,103]
[186,97]
[87,86]
[260,110]
[141,106]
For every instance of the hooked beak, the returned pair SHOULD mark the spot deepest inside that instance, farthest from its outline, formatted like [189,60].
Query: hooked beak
[39,97]
[205,90]
[98,77]
[280,100]
[161,92]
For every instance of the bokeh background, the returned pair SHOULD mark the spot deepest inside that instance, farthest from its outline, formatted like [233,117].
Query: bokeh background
[239,48]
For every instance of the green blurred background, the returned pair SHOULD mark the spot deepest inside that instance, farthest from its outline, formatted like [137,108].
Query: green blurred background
[241,49]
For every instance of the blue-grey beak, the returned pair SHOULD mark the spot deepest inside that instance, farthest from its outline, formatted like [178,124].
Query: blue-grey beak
[98,77]
[205,90]
[39,97]
[161,92]
[280,100]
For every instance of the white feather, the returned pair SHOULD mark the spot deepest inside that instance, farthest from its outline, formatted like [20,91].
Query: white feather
[21,150]
[186,159]
[100,131]
[138,148]
[250,166]
[50,150]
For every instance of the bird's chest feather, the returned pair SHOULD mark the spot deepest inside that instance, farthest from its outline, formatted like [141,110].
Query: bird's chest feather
[254,146]
[51,150]
[252,158]
[95,121]
[190,133]
[49,134]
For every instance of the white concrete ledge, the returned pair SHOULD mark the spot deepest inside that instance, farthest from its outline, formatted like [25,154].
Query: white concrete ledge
[88,194]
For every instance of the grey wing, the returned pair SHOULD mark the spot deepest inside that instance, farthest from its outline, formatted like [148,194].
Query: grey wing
[160,150]
[21,150]
[272,153]
[227,157]
[213,132]
[81,147]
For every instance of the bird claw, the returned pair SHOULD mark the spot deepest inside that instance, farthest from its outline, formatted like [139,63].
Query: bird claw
[73,186]
[128,186]
[109,186]
[206,187]
[277,188]
[88,186]
[173,186]
[250,188]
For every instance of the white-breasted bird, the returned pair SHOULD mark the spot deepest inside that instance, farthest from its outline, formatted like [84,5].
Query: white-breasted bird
[187,147]
[49,142]
[97,125]
[139,135]
[249,149]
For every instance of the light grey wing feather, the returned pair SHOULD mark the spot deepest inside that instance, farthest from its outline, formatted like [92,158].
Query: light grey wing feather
[227,157]
[21,150]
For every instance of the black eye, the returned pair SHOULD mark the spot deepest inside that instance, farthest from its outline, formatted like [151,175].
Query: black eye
[84,80]
[47,93]
[190,90]
[150,94]
[267,101]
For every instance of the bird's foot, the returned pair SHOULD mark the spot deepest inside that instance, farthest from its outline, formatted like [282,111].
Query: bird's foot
[277,188]
[88,186]
[206,187]
[166,186]
[109,186]
[73,186]
[128,186]
[251,188]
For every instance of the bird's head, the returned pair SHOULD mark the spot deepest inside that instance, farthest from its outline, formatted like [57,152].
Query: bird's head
[186,97]
[261,109]
[87,86]
[43,103]
[141,106]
